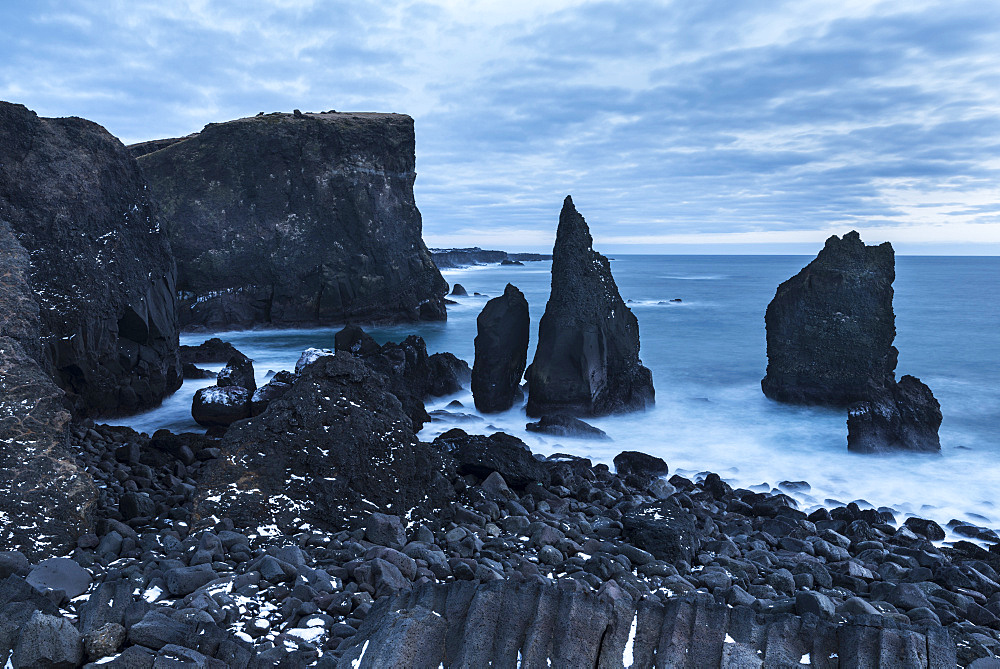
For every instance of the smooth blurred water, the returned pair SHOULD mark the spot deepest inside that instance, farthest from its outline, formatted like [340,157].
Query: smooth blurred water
[707,355]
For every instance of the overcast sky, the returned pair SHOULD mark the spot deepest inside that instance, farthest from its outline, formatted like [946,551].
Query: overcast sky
[695,125]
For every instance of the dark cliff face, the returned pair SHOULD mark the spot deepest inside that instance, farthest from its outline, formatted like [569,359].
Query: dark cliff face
[587,359]
[830,327]
[295,219]
[100,274]
[45,500]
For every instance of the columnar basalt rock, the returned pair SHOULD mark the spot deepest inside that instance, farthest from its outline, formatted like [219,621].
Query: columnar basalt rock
[74,203]
[830,330]
[295,219]
[587,358]
[501,351]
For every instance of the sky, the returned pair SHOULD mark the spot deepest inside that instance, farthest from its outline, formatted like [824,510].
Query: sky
[689,126]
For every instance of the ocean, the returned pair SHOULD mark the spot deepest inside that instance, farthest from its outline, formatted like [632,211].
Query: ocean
[707,355]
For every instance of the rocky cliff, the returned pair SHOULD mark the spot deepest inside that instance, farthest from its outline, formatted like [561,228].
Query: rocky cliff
[587,358]
[99,313]
[830,327]
[293,219]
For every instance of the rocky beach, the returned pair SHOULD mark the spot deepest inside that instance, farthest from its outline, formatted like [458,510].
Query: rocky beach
[313,523]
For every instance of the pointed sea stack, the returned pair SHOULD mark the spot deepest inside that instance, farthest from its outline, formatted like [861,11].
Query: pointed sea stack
[294,219]
[587,358]
[501,351]
[830,330]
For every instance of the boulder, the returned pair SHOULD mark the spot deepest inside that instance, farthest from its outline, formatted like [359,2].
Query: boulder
[458,290]
[46,501]
[830,327]
[191,371]
[634,463]
[355,340]
[95,306]
[501,453]
[664,529]
[220,407]
[335,443]
[210,350]
[587,358]
[48,642]
[238,372]
[270,391]
[905,416]
[60,574]
[566,426]
[18,603]
[501,351]
[291,220]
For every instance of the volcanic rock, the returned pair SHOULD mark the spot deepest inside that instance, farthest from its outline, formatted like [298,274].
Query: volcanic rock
[46,501]
[830,327]
[290,220]
[238,372]
[587,358]
[634,463]
[95,304]
[501,351]
[210,350]
[905,416]
[501,453]
[220,407]
[335,438]
[411,373]
[566,426]
[458,290]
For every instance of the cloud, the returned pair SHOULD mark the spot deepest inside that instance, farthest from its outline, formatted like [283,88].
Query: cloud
[706,121]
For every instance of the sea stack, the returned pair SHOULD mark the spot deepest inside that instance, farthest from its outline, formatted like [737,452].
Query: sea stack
[830,327]
[295,219]
[830,330]
[98,314]
[501,351]
[587,358]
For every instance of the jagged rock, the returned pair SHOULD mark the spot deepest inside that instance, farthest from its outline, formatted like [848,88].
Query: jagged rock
[412,374]
[664,529]
[501,351]
[830,327]
[190,371]
[18,603]
[830,330]
[220,407]
[277,184]
[210,350]
[46,501]
[95,304]
[238,372]
[335,438]
[566,426]
[48,642]
[904,417]
[272,390]
[587,358]
[502,453]
[458,290]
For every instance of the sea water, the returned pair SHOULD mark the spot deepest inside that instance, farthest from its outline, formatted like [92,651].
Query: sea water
[707,354]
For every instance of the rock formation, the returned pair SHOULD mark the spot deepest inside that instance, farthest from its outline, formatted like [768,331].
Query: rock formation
[411,374]
[501,351]
[295,219]
[830,330]
[830,327]
[99,316]
[587,358]
[903,416]
[333,439]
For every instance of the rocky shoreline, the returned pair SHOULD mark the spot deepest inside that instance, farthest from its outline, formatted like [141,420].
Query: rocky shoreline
[591,560]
